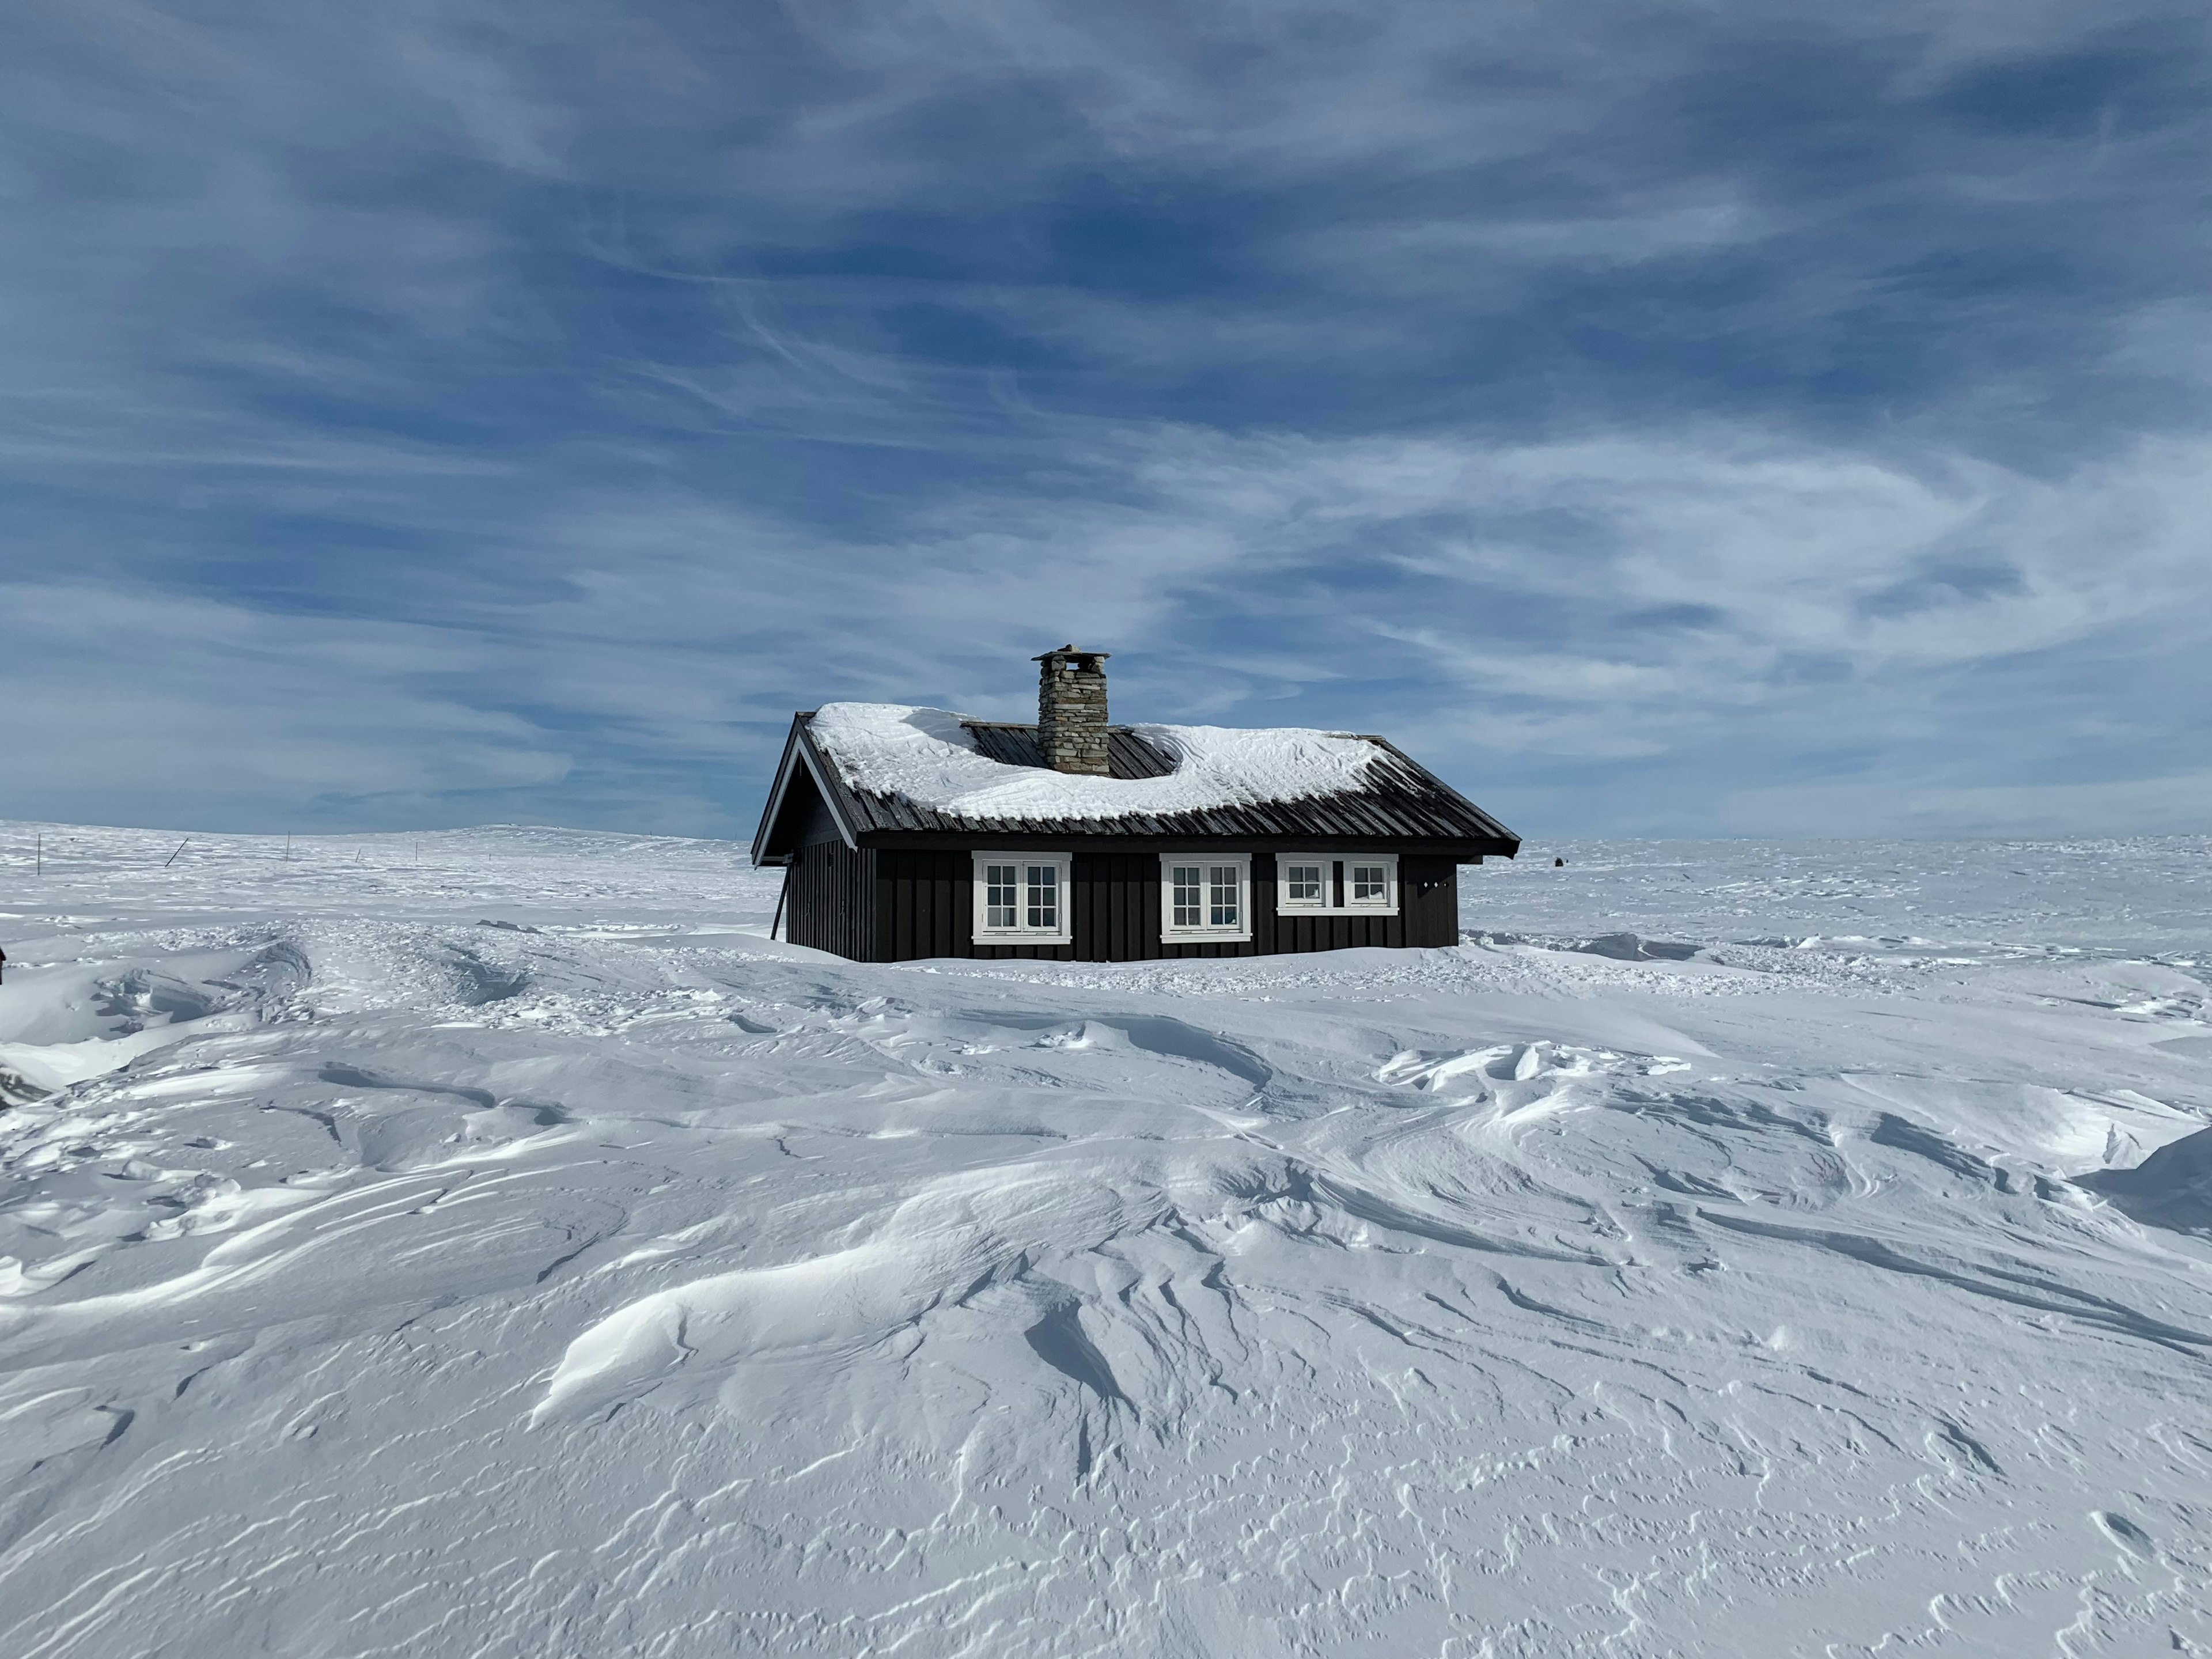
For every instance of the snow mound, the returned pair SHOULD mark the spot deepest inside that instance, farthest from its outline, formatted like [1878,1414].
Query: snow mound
[928,756]
[1631,947]
[2172,1188]
[499,1246]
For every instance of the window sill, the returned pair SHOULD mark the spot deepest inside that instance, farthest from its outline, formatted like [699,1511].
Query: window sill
[1208,936]
[1025,938]
[1336,909]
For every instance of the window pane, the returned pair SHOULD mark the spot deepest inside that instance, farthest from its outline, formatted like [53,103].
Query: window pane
[1044,896]
[1002,894]
[1302,884]
[1370,882]
[1224,908]
[1189,903]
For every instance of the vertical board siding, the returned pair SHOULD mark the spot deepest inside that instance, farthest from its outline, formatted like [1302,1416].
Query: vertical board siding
[922,901]
[1123,884]
[1428,895]
[832,899]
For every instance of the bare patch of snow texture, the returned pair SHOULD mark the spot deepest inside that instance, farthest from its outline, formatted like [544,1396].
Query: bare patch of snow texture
[928,756]
[491,1244]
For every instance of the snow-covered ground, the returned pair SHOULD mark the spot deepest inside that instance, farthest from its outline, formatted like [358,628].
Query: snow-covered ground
[491,1244]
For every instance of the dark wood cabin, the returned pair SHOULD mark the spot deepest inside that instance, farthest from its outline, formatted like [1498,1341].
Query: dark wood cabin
[879,875]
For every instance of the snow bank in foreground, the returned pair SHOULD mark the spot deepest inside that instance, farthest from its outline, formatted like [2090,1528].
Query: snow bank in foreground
[928,756]
[497,1246]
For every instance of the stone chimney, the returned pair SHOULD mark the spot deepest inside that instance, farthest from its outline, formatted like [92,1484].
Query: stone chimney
[1072,710]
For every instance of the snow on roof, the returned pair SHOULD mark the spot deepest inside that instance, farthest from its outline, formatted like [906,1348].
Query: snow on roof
[928,756]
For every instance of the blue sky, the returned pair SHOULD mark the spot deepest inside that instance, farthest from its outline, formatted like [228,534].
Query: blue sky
[1715,420]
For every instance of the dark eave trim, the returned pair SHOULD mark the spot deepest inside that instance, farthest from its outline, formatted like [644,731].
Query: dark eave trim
[1504,834]
[798,749]
[1467,850]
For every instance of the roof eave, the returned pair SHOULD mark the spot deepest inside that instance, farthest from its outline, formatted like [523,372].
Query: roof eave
[797,751]
[1504,834]
[1104,834]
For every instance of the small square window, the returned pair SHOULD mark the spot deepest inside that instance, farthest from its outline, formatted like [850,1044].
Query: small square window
[1304,886]
[1206,898]
[1370,882]
[1022,898]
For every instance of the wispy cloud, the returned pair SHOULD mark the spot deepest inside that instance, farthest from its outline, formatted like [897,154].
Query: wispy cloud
[444,413]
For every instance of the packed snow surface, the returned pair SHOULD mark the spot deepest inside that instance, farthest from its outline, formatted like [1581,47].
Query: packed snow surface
[492,1244]
[928,756]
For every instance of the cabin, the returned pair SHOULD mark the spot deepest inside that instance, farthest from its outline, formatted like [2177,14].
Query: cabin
[909,833]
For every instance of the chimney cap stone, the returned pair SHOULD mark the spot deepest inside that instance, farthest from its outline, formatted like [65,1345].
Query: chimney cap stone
[1070,651]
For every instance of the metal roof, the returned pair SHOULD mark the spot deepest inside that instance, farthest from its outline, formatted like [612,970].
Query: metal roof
[1402,800]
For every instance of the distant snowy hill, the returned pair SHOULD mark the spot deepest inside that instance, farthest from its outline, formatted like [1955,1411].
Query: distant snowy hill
[489,1243]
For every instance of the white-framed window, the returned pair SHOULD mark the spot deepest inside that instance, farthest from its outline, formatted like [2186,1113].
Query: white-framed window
[1337,884]
[1022,898]
[1206,896]
[1370,882]
[1304,883]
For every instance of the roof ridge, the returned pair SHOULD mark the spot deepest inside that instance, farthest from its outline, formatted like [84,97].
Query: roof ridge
[1031,725]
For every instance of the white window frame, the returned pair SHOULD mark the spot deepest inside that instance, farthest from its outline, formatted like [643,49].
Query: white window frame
[1335,866]
[1062,934]
[1385,906]
[1290,907]
[1172,934]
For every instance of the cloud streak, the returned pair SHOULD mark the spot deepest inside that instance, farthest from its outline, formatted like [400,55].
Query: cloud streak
[1719,423]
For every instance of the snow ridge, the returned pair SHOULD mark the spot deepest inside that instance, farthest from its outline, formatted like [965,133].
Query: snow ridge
[499,1246]
[928,756]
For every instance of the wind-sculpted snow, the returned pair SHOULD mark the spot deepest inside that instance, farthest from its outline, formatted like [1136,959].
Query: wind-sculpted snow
[928,757]
[517,1253]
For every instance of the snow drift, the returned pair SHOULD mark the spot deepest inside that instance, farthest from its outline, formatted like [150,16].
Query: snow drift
[497,1246]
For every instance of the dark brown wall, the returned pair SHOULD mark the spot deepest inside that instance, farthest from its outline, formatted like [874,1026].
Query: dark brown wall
[831,900]
[1428,897]
[922,905]
[895,905]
